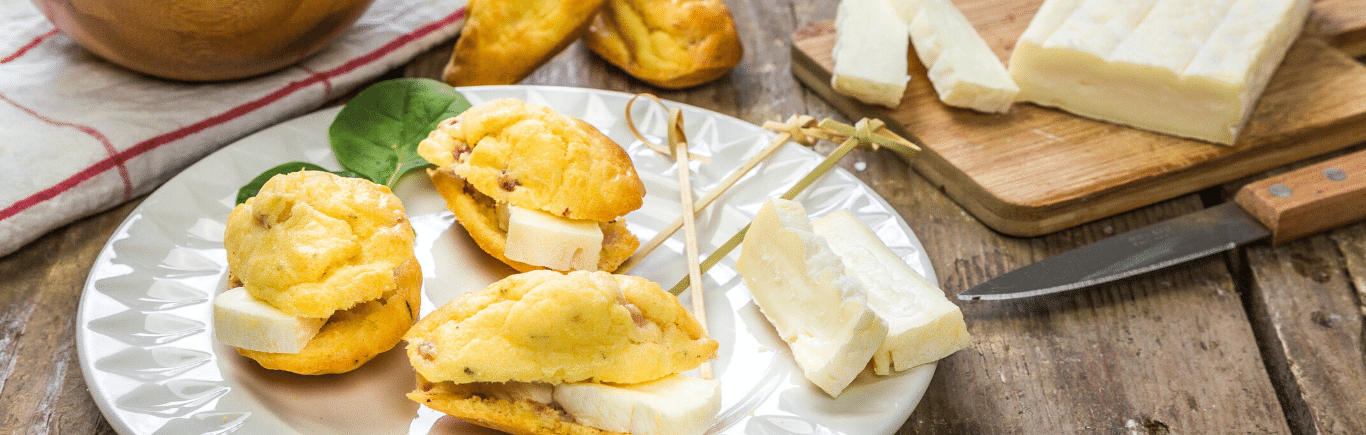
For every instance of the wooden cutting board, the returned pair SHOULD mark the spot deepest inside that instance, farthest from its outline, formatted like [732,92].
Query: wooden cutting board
[1037,170]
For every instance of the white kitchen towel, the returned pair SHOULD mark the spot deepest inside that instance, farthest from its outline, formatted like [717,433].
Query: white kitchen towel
[79,135]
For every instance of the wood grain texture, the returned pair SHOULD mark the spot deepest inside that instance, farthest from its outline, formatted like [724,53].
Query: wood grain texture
[1344,24]
[1079,169]
[1308,200]
[1171,352]
[1307,308]
[41,386]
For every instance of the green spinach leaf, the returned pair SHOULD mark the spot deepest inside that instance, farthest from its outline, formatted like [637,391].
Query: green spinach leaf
[377,133]
[249,190]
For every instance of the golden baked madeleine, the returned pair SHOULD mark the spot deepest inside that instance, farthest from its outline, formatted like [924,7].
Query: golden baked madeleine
[479,404]
[506,40]
[672,44]
[545,326]
[507,152]
[502,357]
[315,245]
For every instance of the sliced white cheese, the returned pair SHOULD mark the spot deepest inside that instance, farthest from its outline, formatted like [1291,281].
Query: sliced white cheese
[672,405]
[922,324]
[961,66]
[504,213]
[802,287]
[1189,68]
[241,320]
[543,239]
[870,52]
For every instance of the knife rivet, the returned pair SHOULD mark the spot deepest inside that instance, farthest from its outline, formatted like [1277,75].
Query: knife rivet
[1279,190]
[1335,174]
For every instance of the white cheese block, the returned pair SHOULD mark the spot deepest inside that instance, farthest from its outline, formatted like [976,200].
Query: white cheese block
[802,287]
[672,405]
[1189,68]
[241,320]
[961,66]
[543,239]
[922,324]
[870,52]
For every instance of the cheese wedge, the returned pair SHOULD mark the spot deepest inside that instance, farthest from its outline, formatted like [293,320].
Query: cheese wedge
[672,405]
[241,320]
[543,239]
[1189,68]
[802,288]
[869,53]
[961,66]
[922,324]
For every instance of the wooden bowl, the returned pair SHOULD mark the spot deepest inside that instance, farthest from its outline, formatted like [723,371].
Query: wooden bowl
[203,40]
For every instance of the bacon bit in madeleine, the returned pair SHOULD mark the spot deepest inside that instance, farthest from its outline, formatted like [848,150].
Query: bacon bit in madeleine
[427,350]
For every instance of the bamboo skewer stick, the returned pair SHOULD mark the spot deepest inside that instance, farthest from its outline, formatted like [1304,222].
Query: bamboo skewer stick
[861,133]
[793,130]
[679,150]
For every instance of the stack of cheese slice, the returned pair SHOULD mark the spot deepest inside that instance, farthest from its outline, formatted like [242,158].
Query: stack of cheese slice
[922,325]
[870,43]
[870,66]
[1191,68]
[961,66]
[802,288]
[839,297]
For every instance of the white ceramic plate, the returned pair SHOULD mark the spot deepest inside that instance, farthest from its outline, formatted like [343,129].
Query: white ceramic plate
[146,332]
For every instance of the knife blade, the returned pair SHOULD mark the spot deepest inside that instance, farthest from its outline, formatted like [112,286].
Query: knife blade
[1284,207]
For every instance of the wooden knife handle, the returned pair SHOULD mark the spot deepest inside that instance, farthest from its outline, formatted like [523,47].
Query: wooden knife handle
[1309,200]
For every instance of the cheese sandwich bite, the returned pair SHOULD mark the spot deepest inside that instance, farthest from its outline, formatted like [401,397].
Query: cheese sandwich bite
[322,272]
[534,188]
[544,352]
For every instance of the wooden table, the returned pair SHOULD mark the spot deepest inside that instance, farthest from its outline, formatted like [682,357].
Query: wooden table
[1260,340]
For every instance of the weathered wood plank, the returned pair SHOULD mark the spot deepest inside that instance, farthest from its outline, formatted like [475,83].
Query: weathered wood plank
[42,390]
[1172,352]
[1307,307]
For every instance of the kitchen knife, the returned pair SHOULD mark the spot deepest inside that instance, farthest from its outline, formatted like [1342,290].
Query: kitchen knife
[1284,207]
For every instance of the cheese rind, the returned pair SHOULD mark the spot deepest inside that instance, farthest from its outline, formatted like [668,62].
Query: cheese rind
[241,320]
[869,58]
[964,70]
[802,288]
[672,405]
[1189,68]
[543,239]
[923,325]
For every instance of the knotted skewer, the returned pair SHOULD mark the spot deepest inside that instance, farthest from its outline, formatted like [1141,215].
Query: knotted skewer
[798,128]
[866,133]
[678,149]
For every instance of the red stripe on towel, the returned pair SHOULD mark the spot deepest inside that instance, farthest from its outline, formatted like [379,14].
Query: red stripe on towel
[327,83]
[90,131]
[233,113]
[29,46]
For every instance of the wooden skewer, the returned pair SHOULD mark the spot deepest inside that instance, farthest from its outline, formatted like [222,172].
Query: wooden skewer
[861,133]
[631,124]
[679,149]
[797,128]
